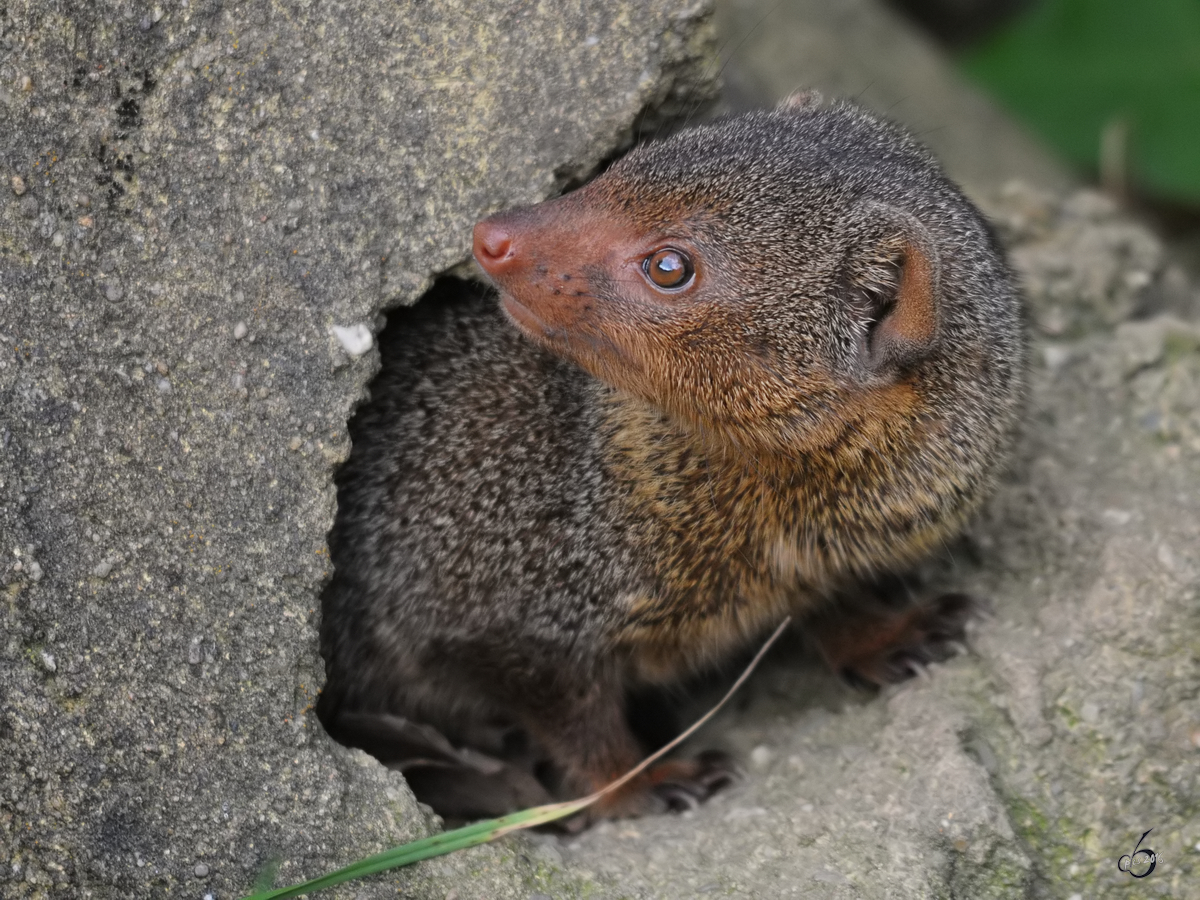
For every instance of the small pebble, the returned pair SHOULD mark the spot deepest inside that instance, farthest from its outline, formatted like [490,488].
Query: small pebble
[34,569]
[18,185]
[201,870]
[48,661]
[25,83]
[1138,279]
[294,443]
[1117,516]
[1166,557]
[239,331]
[87,221]
[102,569]
[761,756]
[59,239]
[162,367]
[355,339]
[1056,356]
[113,292]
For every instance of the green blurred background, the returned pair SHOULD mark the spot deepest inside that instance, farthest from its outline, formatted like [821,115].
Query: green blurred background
[1113,85]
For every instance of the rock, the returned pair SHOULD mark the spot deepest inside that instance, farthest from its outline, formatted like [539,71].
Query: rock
[291,166]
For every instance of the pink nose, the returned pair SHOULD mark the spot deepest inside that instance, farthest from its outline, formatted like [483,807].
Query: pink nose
[493,247]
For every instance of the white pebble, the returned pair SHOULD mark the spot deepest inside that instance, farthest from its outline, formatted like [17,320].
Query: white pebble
[355,339]
[1056,356]
[1117,516]
[761,756]
[239,331]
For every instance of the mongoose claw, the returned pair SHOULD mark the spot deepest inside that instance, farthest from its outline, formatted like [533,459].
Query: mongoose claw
[890,646]
[685,784]
[677,797]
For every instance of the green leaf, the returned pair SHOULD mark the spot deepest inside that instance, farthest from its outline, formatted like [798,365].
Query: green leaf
[1074,68]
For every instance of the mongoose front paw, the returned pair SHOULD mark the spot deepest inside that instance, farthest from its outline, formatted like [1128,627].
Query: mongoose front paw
[685,784]
[672,786]
[887,647]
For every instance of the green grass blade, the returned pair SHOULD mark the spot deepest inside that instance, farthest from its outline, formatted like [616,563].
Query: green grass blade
[438,845]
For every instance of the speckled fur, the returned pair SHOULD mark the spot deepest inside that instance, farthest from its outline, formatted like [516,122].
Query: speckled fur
[519,541]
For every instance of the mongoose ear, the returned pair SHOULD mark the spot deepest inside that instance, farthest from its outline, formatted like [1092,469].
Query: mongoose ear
[896,286]
[801,101]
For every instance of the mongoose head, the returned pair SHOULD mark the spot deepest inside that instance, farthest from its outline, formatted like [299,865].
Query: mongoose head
[770,278]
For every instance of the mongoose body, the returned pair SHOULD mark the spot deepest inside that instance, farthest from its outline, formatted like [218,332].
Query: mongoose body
[747,368]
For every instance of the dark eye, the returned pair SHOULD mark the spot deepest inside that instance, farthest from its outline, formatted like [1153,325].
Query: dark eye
[668,268]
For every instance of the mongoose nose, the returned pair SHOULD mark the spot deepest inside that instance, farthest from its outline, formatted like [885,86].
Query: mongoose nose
[493,246]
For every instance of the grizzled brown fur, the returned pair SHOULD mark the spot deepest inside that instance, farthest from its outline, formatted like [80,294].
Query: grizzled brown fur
[635,482]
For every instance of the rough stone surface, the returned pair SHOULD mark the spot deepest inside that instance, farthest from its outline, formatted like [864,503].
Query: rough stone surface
[204,206]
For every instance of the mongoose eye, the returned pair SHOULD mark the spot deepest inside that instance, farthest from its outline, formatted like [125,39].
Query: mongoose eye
[668,268]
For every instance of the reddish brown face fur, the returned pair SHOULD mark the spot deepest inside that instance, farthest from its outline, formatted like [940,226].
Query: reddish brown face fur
[575,276]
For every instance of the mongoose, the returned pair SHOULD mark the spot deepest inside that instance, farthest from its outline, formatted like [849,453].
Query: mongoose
[747,369]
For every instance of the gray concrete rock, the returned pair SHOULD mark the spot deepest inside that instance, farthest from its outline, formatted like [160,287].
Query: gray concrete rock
[204,207]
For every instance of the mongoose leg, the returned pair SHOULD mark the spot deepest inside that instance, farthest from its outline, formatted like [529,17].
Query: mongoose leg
[884,646]
[461,783]
[590,740]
